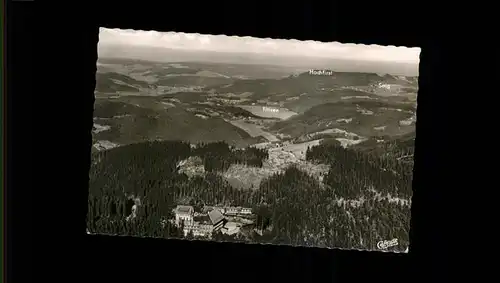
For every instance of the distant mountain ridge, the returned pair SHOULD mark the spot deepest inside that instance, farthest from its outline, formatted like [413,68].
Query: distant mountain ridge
[165,55]
[389,78]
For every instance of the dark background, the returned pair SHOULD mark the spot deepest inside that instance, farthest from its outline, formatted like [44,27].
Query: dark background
[69,53]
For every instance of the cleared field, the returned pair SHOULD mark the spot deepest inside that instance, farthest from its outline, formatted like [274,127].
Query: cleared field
[247,177]
[104,145]
[254,130]
[298,150]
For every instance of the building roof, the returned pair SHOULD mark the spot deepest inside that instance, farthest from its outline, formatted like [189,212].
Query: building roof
[185,209]
[231,225]
[215,216]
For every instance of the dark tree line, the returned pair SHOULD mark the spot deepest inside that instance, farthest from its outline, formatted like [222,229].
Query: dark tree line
[291,207]
[355,173]
[301,212]
[113,215]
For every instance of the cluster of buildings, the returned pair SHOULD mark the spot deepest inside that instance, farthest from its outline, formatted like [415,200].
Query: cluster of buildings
[210,220]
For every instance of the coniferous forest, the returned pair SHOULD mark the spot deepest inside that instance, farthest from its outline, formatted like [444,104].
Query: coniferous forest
[364,198]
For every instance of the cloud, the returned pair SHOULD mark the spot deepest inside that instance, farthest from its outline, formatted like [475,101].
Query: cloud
[222,43]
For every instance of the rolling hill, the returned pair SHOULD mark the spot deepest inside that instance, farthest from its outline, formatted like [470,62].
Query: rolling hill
[194,81]
[198,101]
[111,82]
[404,142]
[360,117]
[301,92]
[131,124]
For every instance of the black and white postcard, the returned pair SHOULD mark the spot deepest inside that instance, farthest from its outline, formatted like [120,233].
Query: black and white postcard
[258,141]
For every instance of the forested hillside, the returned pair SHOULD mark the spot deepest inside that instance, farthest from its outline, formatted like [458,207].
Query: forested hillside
[363,198]
[136,121]
[364,116]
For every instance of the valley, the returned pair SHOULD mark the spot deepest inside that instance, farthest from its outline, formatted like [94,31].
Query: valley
[212,102]
[234,132]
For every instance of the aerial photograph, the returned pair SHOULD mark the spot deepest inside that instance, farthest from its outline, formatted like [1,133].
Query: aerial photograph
[253,140]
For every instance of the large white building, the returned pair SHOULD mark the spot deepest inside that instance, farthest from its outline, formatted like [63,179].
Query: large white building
[184,213]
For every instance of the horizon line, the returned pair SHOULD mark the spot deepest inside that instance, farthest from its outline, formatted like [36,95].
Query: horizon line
[245,44]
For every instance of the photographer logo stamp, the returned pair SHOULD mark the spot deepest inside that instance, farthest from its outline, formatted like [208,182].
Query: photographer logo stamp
[383,245]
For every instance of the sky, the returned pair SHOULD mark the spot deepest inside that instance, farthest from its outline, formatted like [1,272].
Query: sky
[282,47]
